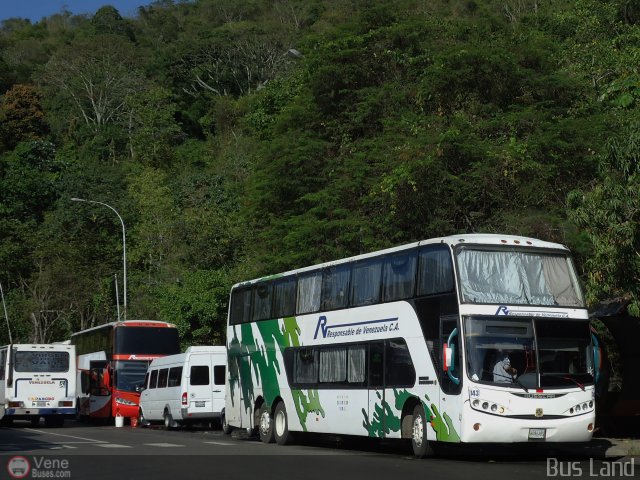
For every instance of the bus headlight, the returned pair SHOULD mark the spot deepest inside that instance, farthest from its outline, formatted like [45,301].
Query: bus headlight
[583,407]
[124,401]
[489,407]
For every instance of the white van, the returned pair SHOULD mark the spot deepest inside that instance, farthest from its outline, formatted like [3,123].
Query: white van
[184,389]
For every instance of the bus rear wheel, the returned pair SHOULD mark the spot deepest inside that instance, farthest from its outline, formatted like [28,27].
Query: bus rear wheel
[281,425]
[419,442]
[265,425]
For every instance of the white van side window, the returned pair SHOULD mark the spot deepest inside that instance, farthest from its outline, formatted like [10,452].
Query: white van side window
[153,379]
[162,378]
[219,374]
[199,375]
[175,376]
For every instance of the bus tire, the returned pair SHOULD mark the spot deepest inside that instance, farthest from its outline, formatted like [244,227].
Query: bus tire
[281,425]
[419,442]
[226,428]
[265,424]
[35,421]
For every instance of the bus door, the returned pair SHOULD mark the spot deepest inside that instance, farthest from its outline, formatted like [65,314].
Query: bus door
[451,385]
[99,389]
[236,412]
[377,418]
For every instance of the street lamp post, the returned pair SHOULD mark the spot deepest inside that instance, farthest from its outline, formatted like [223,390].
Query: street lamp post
[124,251]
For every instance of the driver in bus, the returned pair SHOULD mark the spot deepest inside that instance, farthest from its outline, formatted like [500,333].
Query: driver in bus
[503,372]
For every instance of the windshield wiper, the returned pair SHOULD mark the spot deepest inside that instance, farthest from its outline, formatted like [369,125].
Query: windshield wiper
[564,377]
[513,380]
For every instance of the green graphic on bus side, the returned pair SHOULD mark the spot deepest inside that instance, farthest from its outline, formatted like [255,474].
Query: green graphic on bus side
[266,366]
[441,424]
[383,421]
[305,405]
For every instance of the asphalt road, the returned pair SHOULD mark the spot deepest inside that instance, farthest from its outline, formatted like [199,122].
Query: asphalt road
[105,452]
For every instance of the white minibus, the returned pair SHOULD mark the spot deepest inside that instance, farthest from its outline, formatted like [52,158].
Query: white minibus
[184,389]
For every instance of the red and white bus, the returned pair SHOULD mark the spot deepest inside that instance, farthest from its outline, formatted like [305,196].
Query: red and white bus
[113,360]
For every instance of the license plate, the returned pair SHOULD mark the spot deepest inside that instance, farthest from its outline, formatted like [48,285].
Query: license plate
[537,433]
[40,404]
[200,404]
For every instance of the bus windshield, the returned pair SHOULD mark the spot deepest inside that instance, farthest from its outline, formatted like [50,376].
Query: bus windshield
[147,341]
[129,375]
[517,277]
[34,361]
[529,352]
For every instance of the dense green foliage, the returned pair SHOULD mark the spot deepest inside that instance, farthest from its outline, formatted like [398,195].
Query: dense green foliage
[243,138]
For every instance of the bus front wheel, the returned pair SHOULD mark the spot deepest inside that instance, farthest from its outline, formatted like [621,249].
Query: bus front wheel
[281,425]
[419,442]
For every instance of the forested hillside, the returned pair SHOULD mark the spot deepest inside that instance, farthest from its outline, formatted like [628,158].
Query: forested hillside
[239,138]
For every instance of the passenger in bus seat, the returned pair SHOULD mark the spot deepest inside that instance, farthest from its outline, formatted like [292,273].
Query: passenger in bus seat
[503,372]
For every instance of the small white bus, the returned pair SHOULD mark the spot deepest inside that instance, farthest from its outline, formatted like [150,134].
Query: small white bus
[38,380]
[185,389]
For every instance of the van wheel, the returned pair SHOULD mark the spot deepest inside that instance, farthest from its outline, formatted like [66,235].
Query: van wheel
[419,442]
[226,428]
[281,425]
[265,425]
[169,422]
[141,420]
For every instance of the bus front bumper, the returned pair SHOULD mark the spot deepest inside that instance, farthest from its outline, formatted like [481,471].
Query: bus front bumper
[479,427]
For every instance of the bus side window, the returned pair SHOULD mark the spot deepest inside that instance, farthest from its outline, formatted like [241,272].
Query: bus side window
[308,300]
[435,271]
[335,287]
[305,366]
[240,306]
[284,297]
[399,276]
[365,282]
[398,365]
[261,302]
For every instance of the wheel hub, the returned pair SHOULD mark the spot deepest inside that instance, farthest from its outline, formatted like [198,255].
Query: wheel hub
[418,430]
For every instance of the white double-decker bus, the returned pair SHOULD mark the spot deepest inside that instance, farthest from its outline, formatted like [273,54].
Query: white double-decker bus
[38,380]
[468,338]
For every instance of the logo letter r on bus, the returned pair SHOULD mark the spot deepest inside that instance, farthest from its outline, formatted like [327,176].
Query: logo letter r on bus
[502,309]
[322,326]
